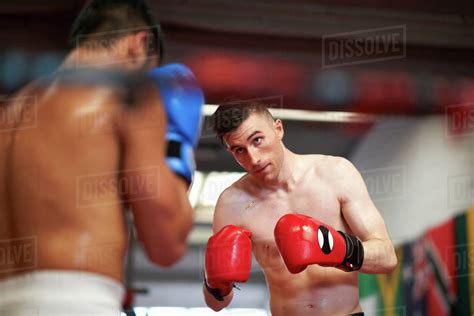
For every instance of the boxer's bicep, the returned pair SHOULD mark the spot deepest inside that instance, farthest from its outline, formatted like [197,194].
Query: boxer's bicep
[357,208]
[159,202]
[365,221]
[142,136]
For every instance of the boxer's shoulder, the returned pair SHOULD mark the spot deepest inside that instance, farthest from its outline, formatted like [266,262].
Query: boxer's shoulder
[237,192]
[95,76]
[119,85]
[329,165]
[230,203]
[339,173]
[317,165]
[225,210]
[332,170]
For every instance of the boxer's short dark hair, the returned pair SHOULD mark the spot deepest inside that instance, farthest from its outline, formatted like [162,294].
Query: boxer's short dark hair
[228,117]
[106,20]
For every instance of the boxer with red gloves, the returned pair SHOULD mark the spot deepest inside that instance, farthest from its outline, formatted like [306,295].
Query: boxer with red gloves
[305,259]
[302,241]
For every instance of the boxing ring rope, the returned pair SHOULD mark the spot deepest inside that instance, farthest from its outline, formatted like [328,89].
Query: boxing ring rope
[313,116]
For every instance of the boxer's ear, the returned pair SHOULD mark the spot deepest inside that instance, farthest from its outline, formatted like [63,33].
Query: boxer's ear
[138,46]
[139,42]
[278,127]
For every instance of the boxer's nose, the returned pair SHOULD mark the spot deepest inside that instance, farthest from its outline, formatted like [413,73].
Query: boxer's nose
[254,158]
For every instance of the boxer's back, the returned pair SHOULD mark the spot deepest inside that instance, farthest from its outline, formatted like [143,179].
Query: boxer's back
[58,193]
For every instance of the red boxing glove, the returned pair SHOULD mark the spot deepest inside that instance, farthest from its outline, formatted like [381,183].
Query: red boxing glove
[228,260]
[302,241]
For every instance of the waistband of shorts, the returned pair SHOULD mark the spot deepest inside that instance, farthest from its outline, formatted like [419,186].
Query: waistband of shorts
[61,286]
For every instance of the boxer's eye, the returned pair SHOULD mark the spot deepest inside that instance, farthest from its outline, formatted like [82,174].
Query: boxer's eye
[257,140]
[239,151]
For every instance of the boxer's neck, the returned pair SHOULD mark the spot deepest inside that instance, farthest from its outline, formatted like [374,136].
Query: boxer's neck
[92,58]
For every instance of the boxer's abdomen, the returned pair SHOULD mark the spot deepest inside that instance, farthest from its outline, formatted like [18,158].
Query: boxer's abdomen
[315,291]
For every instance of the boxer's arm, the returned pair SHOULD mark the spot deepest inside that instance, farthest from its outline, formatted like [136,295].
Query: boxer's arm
[161,208]
[364,219]
[223,215]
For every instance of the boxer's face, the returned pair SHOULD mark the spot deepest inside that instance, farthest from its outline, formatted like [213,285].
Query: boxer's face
[256,145]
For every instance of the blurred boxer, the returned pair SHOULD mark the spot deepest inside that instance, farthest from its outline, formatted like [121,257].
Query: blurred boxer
[106,135]
[308,219]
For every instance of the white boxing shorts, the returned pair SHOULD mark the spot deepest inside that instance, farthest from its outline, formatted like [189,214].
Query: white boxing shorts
[60,293]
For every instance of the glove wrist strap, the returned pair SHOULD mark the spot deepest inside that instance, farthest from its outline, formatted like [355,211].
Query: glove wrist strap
[216,293]
[354,257]
[180,159]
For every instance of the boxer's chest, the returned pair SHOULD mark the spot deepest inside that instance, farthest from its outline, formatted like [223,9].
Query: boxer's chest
[311,197]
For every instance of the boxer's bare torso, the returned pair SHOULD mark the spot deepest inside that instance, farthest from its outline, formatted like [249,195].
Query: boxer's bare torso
[311,191]
[59,162]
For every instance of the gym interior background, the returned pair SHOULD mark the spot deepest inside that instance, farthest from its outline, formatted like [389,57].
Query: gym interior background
[401,109]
